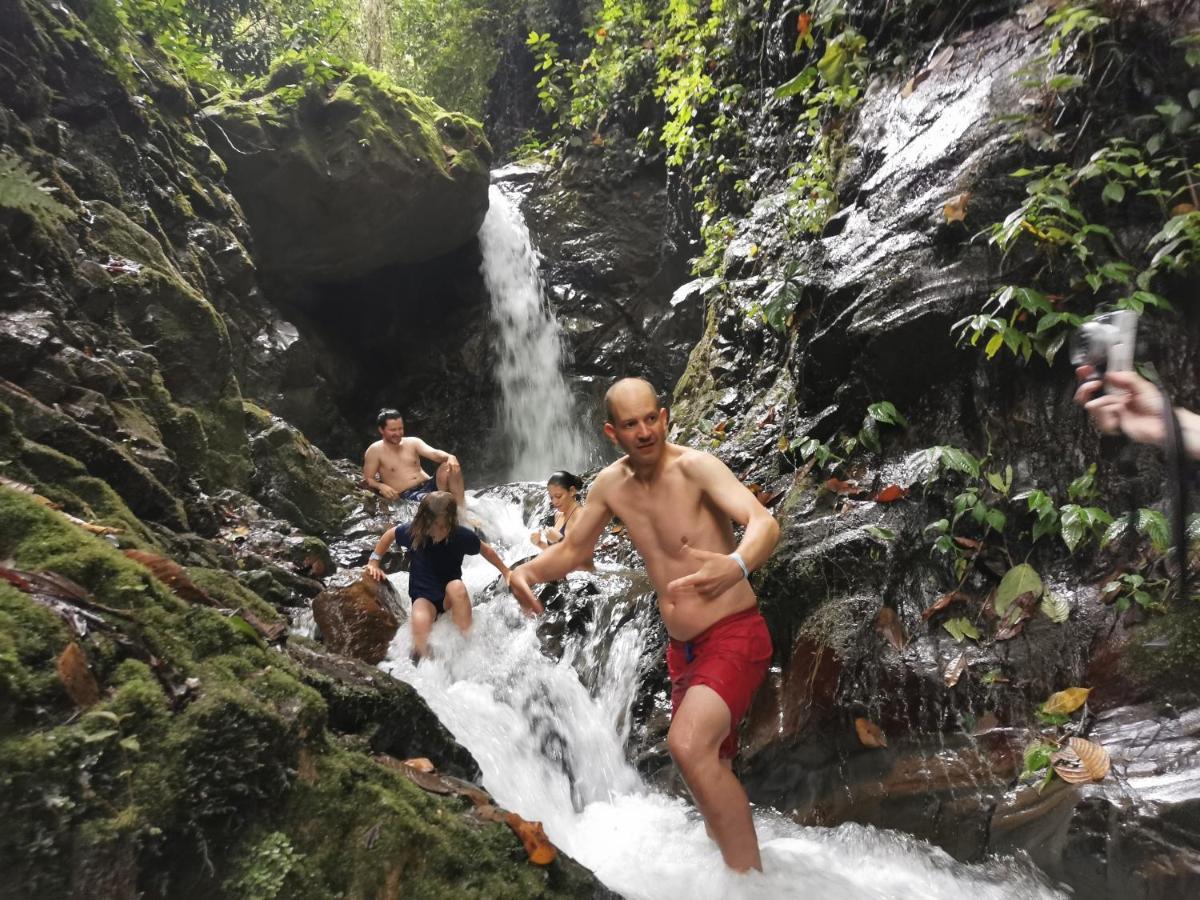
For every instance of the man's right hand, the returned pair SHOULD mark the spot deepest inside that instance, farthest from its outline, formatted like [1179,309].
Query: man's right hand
[1135,406]
[387,492]
[374,572]
[518,583]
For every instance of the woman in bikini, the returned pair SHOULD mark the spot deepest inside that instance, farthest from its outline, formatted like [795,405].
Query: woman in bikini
[563,488]
[438,544]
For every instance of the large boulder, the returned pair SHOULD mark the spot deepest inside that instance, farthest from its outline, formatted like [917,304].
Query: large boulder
[341,179]
[359,619]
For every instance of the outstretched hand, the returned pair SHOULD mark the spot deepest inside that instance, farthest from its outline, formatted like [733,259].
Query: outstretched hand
[1134,407]
[374,572]
[718,572]
[521,590]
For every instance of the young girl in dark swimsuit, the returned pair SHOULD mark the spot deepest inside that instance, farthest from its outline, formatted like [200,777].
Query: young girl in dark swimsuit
[562,487]
[438,545]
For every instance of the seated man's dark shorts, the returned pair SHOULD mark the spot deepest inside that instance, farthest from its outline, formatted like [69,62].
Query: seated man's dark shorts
[419,491]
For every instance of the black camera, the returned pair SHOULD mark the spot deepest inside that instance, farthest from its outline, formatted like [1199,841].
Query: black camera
[1107,342]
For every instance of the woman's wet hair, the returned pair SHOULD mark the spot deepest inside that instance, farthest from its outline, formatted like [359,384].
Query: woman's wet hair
[438,506]
[565,480]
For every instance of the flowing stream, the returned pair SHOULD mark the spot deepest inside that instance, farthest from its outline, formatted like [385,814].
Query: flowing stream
[553,749]
[538,411]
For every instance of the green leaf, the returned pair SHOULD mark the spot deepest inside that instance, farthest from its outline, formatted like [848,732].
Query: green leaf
[1074,526]
[1018,580]
[247,629]
[961,628]
[1114,192]
[797,85]
[885,412]
[1037,757]
[996,520]
[1055,607]
[1115,531]
[881,534]
[131,744]
[93,737]
[1153,524]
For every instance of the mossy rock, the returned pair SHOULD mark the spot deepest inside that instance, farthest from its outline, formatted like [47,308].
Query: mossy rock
[206,769]
[341,179]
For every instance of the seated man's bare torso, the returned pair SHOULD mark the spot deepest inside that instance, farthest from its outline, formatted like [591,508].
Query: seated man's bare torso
[397,465]
[661,517]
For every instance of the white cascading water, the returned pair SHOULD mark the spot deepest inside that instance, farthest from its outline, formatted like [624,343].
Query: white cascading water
[540,420]
[553,751]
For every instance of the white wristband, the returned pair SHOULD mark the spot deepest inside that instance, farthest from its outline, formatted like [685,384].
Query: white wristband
[375,557]
[737,558]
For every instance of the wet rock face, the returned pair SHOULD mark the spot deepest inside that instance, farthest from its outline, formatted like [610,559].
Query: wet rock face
[612,264]
[341,180]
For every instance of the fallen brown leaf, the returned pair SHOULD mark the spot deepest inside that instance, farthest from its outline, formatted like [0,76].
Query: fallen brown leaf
[541,852]
[844,488]
[955,209]
[1081,761]
[420,763]
[870,734]
[955,669]
[76,677]
[891,494]
[173,575]
[887,623]
[941,603]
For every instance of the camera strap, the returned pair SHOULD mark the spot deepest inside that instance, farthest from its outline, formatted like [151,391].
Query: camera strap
[1178,477]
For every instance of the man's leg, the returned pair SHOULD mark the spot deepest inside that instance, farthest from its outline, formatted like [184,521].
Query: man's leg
[451,479]
[458,601]
[697,730]
[423,614]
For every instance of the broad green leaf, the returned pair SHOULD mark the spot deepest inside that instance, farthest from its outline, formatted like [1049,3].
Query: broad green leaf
[93,737]
[885,412]
[961,628]
[1018,580]
[1153,524]
[1114,192]
[1056,607]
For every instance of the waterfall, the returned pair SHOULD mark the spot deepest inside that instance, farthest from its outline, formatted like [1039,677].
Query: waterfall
[553,750]
[540,421]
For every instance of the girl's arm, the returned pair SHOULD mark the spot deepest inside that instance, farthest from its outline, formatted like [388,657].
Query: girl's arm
[494,558]
[381,548]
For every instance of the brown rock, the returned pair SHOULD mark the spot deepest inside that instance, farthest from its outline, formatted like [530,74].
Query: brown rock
[360,619]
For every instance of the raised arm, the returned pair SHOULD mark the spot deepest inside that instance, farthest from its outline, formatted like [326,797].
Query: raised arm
[371,466]
[573,552]
[381,548]
[719,572]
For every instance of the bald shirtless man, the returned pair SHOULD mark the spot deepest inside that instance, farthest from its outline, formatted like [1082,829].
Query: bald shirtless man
[392,465]
[678,506]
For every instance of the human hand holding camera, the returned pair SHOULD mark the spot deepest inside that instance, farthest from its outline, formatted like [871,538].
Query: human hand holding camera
[1131,404]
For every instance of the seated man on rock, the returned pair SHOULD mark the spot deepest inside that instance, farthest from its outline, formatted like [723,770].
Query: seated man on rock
[392,465]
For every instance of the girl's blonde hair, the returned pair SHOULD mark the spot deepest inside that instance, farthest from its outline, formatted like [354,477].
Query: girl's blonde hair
[435,507]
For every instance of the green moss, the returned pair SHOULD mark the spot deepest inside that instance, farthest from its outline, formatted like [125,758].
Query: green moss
[225,588]
[104,506]
[31,638]
[228,460]
[1172,665]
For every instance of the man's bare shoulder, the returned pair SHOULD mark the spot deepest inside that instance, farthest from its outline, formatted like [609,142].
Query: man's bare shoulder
[695,462]
[611,475]
[373,449]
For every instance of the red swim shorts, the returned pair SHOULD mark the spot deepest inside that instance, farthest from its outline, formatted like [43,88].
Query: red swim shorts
[731,657]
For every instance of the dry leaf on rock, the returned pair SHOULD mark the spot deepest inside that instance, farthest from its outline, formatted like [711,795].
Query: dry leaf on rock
[421,764]
[844,488]
[541,852]
[887,623]
[955,209]
[76,677]
[891,494]
[1081,761]
[869,734]
[172,574]
[941,603]
[955,669]
[1066,702]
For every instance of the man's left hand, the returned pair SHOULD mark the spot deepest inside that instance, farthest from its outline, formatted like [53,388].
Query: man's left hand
[452,463]
[717,573]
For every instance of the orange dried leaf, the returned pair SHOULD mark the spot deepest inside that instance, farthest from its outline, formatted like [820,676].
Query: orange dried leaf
[1081,761]
[803,24]
[887,623]
[869,734]
[844,488]
[421,764]
[941,603]
[891,494]
[955,209]
[769,498]
[76,677]
[968,544]
[541,852]
[1182,209]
